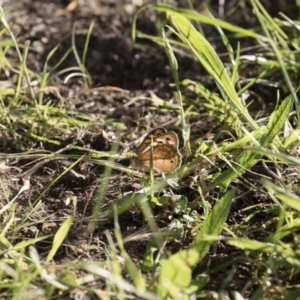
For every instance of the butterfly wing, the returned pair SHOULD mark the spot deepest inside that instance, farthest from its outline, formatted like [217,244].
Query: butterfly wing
[169,138]
[151,136]
[166,158]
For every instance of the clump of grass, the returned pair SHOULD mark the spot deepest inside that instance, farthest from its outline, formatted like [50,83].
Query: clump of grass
[255,170]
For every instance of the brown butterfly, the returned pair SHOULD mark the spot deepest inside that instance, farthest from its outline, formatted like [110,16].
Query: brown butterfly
[165,153]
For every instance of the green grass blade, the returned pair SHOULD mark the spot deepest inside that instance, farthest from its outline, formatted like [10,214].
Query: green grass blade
[270,29]
[287,197]
[174,68]
[239,31]
[133,271]
[207,56]
[213,224]
[59,237]
[276,121]
[250,158]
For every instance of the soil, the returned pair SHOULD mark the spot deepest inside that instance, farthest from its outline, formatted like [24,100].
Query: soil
[120,69]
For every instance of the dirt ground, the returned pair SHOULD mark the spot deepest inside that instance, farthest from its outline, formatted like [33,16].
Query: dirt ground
[126,70]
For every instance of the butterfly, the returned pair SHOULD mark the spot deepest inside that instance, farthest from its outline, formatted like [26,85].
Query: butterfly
[165,154]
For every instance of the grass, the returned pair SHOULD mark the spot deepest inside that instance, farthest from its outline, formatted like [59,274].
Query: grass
[246,213]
